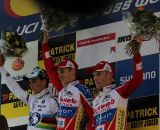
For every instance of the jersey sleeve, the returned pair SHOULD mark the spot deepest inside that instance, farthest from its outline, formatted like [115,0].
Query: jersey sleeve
[86,98]
[50,67]
[130,86]
[89,113]
[15,88]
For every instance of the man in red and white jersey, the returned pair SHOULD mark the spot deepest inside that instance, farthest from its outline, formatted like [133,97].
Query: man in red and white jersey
[75,100]
[111,104]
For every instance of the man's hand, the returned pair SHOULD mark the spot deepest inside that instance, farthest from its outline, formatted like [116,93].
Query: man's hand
[45,37]
[139,39]
[2,60]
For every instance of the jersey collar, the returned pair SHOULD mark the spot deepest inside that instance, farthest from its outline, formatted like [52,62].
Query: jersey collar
[73,83]
[42,93]
[107,88]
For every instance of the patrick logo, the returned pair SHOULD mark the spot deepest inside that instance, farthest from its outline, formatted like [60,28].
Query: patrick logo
[16,8]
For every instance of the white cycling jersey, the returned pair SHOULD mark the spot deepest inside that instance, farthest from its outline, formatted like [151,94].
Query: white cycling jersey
[43,106]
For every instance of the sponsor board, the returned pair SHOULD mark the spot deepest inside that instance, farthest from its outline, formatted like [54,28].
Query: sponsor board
[150,84]
[8,97]
[61,47]
[26,20]
[94,44]
[143,113]
[14,110]
[104,39]
[107,42]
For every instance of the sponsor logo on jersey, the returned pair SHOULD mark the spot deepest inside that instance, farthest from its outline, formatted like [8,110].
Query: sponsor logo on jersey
[61,123]
[104,107]
[68,93]
[67,100]
[34,118]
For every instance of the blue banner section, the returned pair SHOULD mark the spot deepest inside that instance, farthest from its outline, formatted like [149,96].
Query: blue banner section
[68,112]
[105,117]
[30,26]
[150,85]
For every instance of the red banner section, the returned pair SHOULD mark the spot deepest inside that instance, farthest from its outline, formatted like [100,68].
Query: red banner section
[95,40]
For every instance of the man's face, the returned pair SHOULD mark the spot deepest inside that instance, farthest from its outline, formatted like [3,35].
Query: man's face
[37,85]
[65,75]
[102,79]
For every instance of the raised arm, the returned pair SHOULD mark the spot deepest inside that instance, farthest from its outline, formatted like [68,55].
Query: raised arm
[49,64]
[13,86]
[130,86]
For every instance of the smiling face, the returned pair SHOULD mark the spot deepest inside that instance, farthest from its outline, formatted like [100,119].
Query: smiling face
[66,75]
[102,79]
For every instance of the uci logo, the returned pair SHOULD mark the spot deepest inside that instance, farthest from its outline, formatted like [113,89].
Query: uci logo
[34,118]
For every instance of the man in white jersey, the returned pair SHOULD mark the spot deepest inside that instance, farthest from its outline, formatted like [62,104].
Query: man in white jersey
[111,104]
[43,106]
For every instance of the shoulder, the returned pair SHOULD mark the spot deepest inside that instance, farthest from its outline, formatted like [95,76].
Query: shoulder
[53,101]
[84,90]
[52,98]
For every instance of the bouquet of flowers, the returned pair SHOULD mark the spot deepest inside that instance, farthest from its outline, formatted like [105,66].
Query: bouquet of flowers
[54,20]
[143,23]
[56,14]
[12,45]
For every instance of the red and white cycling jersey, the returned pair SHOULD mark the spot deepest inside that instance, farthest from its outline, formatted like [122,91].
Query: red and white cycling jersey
[111,104]
[75,100]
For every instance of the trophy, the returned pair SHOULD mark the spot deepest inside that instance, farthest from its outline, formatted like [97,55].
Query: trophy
[13,45]
[144,23]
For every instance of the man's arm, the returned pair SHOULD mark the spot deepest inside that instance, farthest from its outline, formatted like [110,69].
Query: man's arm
[49,65]
[86,98]
[89,113]
[12,84]
[130,86]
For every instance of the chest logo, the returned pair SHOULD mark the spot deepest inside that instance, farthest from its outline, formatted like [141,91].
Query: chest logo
[34,118]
